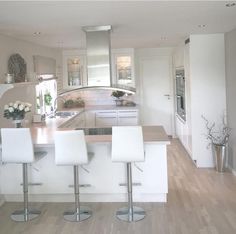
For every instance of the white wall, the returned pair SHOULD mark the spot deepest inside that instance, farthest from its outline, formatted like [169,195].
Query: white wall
[9,46]
[208,94]
[230,46]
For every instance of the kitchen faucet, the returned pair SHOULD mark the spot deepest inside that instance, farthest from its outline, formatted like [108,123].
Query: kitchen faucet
[54,104]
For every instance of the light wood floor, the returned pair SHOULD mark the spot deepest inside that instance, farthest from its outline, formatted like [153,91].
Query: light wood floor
[199,201]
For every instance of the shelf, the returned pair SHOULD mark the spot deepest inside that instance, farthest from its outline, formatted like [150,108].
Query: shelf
[5,87]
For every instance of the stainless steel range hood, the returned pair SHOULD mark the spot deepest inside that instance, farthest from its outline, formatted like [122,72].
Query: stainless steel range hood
[98,55]
[99,60]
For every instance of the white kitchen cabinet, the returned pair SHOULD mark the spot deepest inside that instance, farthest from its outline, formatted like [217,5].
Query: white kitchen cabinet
[74,69]
[106,118]
[123,67]
[104,177]
[127,117]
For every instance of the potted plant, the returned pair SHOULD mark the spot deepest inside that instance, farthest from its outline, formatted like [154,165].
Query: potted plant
[118,94]
[218,137]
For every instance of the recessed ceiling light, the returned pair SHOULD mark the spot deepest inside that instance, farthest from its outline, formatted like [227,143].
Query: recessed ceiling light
[230,4]
[37,33]
[201,25]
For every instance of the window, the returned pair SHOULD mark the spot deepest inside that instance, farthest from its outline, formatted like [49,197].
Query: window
[46,92]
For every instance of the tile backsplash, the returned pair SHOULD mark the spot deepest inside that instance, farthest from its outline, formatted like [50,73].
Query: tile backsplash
[98,97]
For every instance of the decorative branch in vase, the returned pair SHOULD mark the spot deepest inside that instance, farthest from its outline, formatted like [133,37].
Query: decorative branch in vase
[217,137]
[218,140]
[16,111]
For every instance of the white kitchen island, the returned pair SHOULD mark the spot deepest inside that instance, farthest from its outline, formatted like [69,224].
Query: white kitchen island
[103,176]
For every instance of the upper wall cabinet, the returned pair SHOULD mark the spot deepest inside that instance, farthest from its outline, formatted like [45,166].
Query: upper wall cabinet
[74,69]
[123,67]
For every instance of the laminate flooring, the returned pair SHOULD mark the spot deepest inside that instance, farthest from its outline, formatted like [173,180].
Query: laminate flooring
[200,201]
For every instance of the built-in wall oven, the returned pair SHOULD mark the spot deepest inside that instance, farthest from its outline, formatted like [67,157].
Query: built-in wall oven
[180,93]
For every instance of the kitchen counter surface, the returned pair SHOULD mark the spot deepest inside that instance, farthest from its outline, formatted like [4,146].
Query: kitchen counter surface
[43,133]
[102,107]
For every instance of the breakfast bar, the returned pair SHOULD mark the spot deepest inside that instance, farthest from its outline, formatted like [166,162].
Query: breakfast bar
[100,180]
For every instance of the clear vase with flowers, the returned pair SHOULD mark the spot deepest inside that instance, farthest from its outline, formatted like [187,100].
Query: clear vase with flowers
[16,111]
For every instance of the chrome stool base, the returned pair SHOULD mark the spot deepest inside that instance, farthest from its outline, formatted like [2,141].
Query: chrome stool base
[22,216]
[72,216]
[124,214]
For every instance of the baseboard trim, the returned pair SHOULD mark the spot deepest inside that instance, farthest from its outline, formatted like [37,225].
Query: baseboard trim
[86,197]
[232,170]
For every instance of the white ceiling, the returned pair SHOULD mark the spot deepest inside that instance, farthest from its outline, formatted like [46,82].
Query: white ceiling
[135,23]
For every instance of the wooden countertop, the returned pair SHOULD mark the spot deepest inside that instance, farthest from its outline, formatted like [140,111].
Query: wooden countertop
[43,134]
[101,107]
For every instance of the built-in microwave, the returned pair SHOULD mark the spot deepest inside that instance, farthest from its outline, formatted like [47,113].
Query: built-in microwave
[180,93]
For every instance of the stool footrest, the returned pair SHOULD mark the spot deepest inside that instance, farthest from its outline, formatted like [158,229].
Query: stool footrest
[33,184]
[81,185]
[133,184]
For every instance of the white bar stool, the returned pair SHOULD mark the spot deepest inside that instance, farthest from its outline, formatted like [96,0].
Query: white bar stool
[127,146]
[17,147]
[71,149]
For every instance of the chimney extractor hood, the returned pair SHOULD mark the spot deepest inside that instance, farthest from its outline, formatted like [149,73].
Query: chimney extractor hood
[98,55]
[99,59]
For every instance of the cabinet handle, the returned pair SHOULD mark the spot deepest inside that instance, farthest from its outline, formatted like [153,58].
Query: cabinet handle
[106,117]
[107,112]
[128,111]
[127,117]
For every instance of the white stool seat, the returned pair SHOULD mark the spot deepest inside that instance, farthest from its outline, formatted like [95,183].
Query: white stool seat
[71,149]
[127,146]
[17,147]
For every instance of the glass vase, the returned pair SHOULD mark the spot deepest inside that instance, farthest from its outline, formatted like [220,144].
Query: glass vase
[18,123]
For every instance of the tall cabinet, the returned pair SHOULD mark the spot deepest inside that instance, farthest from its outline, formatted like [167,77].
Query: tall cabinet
[204,62]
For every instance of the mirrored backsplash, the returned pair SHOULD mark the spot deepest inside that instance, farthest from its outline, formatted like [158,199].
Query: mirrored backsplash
[98,97]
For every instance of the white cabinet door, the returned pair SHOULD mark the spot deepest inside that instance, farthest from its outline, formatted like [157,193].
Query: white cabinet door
[106,118]
[127,117]
[123,67]
[156,94]
[74,69]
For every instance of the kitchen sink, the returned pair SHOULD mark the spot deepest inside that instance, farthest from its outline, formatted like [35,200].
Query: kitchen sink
[64,114]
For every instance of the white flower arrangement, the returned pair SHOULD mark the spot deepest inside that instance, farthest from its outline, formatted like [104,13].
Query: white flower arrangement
[16,110]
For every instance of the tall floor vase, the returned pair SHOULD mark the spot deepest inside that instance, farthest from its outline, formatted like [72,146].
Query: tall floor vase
[220,156]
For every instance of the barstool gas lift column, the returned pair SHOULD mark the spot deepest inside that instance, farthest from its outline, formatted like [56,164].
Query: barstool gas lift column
[22,153]
[127,146]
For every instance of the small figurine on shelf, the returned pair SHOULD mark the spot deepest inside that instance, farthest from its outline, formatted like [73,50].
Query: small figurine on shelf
[16,111]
